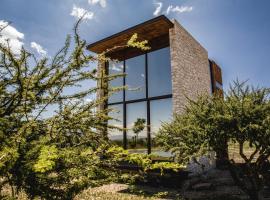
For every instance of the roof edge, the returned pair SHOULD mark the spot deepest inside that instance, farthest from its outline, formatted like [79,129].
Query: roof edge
[89,46]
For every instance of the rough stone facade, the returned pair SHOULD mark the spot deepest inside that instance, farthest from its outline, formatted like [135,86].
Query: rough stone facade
[189,68]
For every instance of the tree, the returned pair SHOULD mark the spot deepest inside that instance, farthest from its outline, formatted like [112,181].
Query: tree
[242,118]
[138,127]
[56,156]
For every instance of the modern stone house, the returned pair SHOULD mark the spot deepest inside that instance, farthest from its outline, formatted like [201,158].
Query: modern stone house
[159,80]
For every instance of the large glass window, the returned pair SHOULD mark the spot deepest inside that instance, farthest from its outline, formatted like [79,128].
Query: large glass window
[116,113]
[116,68]
[136,140]
[153,106]
[159,72]
[135,79]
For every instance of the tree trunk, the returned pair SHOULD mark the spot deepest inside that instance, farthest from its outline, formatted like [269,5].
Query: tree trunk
[222,156]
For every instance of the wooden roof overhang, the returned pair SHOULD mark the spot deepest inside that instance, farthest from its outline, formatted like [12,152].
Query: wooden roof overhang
[155,31]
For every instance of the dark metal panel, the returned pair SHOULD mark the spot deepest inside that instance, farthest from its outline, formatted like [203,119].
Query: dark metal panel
[143,99]
[148,107]
[124,111]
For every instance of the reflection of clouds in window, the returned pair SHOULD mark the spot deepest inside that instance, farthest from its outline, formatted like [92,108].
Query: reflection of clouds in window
[117,125]
[134,77]
[219,86]
[116,67]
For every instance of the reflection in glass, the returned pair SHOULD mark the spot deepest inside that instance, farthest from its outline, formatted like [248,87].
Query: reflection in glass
[159,72]
[161,111]
[135,79]
[117,121]
[116,68]
[159,83]
[137,141]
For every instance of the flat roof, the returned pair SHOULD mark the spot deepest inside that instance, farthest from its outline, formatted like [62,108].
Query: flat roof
[150,30]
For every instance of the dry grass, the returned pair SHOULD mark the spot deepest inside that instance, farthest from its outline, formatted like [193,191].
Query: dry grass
[106,192]
[112,192]
[94,195]
[7,194]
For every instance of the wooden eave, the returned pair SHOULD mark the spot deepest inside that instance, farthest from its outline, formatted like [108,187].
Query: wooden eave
[155,31]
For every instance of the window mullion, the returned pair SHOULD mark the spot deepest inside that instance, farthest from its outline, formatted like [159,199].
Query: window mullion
[148,106]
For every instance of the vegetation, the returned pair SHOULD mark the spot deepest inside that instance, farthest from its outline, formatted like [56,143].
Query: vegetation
[144,161]
[138,127]
[54,156]
[242,117]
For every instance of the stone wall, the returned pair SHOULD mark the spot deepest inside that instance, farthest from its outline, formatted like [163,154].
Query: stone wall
[190,68]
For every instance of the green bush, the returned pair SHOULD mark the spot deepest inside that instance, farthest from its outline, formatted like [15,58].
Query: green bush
[54,157]
[242,117]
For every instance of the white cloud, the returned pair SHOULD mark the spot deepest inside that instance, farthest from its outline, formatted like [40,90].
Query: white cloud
[38,48]
[117,68]
[89,99]
[179,9]
[169,9]
[102,3]
[158,8]
[10,36]
[81,12]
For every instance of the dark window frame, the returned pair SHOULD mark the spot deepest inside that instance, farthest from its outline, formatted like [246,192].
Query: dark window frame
[147,99]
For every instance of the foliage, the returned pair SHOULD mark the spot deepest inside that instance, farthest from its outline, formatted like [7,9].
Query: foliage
[243,116]
[144,161]
[167,166]
[138,127]
[133,42]
[53,156]
[46,159]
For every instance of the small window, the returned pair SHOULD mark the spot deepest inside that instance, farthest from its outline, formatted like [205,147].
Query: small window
[219,86]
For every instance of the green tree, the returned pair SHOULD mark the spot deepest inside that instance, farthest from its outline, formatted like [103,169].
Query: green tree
[242,118]
[56,156]
[138,127]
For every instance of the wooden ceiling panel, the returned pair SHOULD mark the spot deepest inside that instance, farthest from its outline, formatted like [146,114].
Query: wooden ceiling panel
[150,30]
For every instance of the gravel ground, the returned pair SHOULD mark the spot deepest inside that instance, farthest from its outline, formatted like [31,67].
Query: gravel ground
[111,191]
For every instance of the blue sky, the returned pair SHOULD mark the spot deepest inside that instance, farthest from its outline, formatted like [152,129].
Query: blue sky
[235,32]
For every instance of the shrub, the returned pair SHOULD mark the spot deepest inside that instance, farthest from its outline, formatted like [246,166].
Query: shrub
[54,157]
[242,117]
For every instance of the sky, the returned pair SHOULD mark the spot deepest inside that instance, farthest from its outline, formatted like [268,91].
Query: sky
[234,32]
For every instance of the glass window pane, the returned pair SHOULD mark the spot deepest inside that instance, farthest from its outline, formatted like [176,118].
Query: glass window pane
[161,111]
[136,141]
[117,115]
[159,72]
[116,68]
[135,79]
